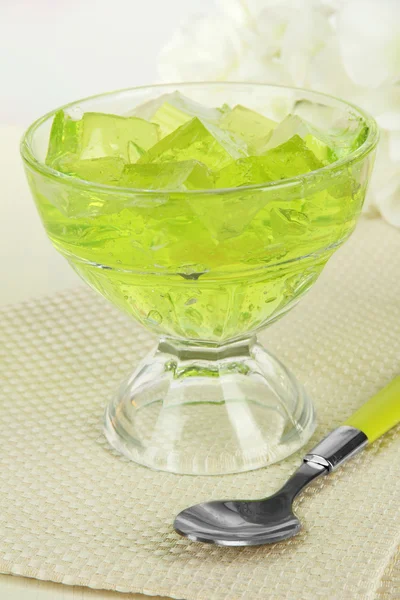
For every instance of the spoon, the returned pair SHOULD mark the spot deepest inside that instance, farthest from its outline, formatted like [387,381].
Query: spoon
[257,522]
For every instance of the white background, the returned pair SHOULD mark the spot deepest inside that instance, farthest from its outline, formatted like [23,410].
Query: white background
[53,52]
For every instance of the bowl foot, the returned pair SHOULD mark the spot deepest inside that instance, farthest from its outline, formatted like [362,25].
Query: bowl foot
[208,410]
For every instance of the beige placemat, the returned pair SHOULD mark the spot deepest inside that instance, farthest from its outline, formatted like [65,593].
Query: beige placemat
[390,583]
[73,511]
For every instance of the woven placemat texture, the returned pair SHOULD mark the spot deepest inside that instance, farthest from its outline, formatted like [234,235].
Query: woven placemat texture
[389,588]
[73,511]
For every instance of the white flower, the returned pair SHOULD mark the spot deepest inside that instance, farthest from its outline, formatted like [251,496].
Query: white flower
[327,73]
[390,121]
[246,12]
[333,5]
[306,35]
[348,48]
[203,48]
[369,36]
[388,199]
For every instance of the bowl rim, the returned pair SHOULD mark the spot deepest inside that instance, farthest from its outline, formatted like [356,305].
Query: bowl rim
[361,152]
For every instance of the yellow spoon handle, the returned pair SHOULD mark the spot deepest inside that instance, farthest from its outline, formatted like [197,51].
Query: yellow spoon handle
[380,413]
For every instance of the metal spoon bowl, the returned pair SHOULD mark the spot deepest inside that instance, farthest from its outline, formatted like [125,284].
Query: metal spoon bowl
[248,522]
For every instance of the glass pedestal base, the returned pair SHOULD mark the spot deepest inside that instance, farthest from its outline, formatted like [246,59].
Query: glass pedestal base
[208,410]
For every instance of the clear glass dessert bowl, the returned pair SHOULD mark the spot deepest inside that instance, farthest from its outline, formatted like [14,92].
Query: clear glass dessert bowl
[206,269]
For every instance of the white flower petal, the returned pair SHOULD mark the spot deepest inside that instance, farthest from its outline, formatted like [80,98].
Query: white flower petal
[384,181]
[246,13]
[389,120]
[235,10]
[306,34]
[255,7]
[394,146]
[388,200]
[369,36]
[381,100]
[385,169]
[270,29]
[333,5]
[205,48]
[253,68]
[327,74]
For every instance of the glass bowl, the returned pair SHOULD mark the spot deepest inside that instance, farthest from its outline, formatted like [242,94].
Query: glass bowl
[205,271]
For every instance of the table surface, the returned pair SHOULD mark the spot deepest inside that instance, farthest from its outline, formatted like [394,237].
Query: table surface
[128,56]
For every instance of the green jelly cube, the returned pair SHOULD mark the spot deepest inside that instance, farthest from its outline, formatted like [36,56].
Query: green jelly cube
[134,152]
[288,222]
[226,215]
[346,140]
[196,141]
[195,109]
[170,111]
[322,152]
[250,126]
[293,125]
[106,170]
[327,146]
[167,176]
[290,126]
[148,109]
[200,178]
[98,135]
[288,160]
[245,171]
[109,135]
[291,159]
[64,138]
[169,118]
